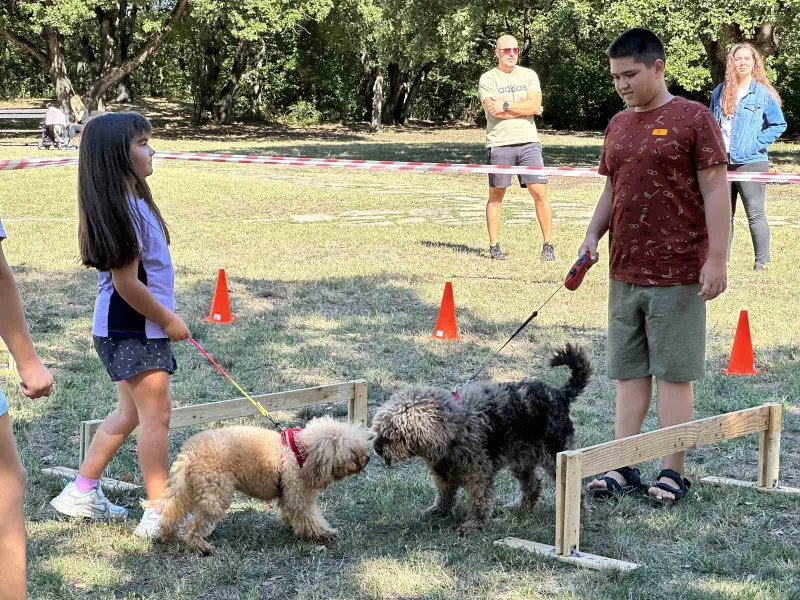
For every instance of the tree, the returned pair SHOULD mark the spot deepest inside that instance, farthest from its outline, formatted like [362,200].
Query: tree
[53,21]
[229,33]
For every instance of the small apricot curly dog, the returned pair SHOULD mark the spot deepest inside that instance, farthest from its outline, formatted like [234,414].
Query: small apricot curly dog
[214,464]
[466,441]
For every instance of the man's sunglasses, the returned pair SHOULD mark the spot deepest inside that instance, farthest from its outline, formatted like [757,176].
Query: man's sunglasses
[508,51]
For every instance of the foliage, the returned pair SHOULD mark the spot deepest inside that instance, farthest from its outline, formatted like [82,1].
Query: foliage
[266,58]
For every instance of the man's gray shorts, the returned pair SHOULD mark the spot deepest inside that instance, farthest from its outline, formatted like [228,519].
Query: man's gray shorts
[516,155]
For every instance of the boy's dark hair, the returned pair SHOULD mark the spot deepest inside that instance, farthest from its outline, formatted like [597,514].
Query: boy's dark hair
[642,45]
[108,220]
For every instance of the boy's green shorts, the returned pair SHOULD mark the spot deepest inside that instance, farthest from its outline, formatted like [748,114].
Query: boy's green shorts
[658,331]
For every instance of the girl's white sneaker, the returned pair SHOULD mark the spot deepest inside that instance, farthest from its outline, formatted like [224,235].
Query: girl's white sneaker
[91,505]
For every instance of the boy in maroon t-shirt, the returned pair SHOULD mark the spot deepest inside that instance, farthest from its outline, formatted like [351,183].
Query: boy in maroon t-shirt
[667,210]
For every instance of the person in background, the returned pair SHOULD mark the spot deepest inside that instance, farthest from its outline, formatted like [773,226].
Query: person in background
[511,96]
[748,110]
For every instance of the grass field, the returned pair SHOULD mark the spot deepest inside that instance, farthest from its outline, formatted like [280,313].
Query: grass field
[338,275]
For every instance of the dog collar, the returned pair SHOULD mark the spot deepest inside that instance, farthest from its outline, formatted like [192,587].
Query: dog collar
[288,438]
[457,393]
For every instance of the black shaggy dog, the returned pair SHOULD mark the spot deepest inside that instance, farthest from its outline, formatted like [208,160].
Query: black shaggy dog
[466,441]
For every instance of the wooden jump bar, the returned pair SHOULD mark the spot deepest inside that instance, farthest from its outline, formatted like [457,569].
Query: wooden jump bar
[572,466]
[352,392]
[678,438]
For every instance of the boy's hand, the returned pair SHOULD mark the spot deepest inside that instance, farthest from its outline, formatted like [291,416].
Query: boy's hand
[713,278]
[589,244]
[36,380]
[176,329]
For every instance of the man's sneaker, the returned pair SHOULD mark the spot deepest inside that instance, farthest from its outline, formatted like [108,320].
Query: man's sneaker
[150,525]
[91,505]
[495,253]
[760,266]
[548,252]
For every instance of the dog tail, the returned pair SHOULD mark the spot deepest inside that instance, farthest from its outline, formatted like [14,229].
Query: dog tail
[577,360]
[177,499]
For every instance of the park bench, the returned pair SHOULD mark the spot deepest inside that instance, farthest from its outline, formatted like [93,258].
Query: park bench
[22,114]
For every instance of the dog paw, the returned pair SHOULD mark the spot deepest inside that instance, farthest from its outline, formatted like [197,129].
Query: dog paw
[205,549]
[468,527]
[519,505]
[325,537]
[436,511]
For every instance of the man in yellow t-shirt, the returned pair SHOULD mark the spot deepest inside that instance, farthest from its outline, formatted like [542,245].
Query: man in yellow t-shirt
[511,96]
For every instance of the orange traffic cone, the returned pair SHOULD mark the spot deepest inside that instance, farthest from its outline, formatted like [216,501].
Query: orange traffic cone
[220,305]
[446,328]
[742,361]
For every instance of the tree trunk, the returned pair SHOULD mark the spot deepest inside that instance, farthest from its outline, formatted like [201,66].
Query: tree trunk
[405,113]
[258,85]
[57,68]
[114,75]
[206,77]
[125,26]
[227,95]
[368,79]
[396,90]
[730,34]
[527,42]
[51,61]
[377,101]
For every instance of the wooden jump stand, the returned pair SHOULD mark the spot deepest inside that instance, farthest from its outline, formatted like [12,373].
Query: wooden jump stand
[352,392]
[573,466]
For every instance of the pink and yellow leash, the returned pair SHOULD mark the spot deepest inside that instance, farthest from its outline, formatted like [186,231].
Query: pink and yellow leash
[236,385]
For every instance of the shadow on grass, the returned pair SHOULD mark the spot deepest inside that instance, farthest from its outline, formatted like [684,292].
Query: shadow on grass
[456,248]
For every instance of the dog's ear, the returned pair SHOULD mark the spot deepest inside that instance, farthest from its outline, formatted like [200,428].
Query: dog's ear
[431,434]
[430,443]
[320,460]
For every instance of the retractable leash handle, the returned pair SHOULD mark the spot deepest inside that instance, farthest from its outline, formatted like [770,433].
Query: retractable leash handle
[578,272]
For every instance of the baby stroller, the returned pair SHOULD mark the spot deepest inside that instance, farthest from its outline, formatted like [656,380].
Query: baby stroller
[53,136]
[54,129]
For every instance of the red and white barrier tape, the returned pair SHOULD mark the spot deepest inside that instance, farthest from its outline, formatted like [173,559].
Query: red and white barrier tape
[36,163]
[391,165]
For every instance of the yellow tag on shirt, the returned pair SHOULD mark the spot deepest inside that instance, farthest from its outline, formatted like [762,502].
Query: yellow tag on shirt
[660,131]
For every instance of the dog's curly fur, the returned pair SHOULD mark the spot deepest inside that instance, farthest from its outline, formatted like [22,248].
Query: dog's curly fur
[214,464]
[520,425]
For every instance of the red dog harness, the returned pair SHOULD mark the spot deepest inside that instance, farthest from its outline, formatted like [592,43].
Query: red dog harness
[288,438]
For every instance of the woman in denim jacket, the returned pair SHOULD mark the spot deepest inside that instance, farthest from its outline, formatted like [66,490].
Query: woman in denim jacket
[748,109]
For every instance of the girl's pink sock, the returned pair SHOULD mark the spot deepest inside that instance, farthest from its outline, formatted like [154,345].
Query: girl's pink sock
[84,484]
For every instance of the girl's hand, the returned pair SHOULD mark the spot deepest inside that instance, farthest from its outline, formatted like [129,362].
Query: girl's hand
[176,329]
[36,380]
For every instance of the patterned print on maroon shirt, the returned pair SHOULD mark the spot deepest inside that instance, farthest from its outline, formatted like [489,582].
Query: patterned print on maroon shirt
[657,230]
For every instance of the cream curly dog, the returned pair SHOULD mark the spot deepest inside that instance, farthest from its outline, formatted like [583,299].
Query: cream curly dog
[466,441]
[214,464]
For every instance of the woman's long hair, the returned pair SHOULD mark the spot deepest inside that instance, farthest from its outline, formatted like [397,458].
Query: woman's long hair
[108,220]
[731,85]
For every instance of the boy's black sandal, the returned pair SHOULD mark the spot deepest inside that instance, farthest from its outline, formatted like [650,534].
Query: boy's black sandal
[683,486]
[613,487]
